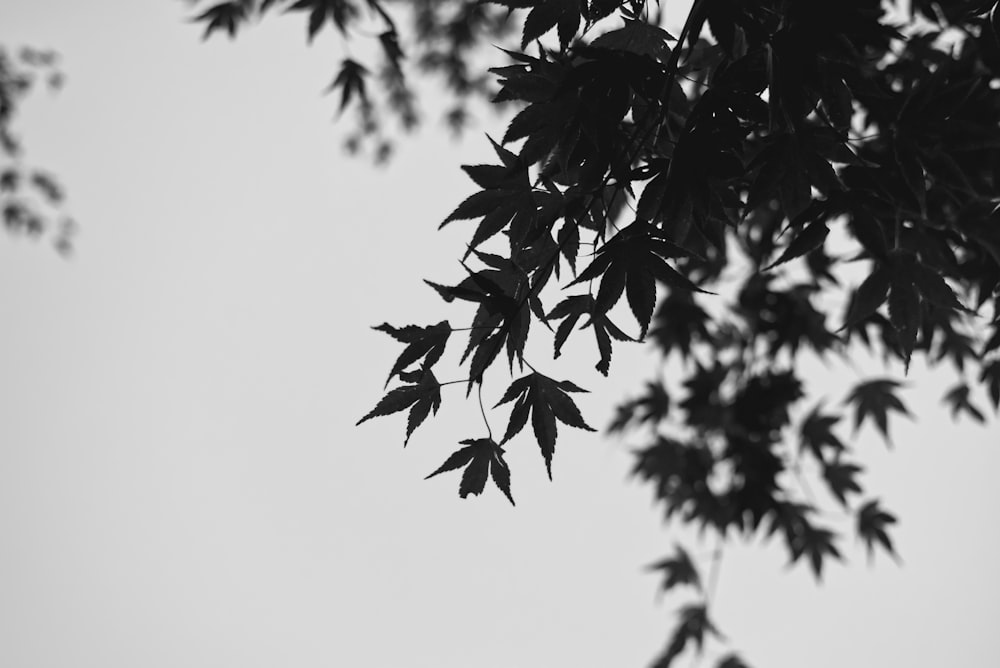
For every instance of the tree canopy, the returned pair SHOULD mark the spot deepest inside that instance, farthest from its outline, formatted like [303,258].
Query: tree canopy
[780,179]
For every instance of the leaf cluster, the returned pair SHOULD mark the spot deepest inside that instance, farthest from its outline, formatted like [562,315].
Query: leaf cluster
[425,38]
[779,179]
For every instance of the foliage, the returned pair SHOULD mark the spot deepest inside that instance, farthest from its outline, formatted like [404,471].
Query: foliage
[443,38]
[781,178]
[30,197]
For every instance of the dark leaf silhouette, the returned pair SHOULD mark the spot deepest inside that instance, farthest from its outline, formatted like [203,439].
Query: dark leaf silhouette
[816,434]
[638,37]
[677,570]
[839,478]
[694,625]
[482,458]
[933,288]
[223,16]
[808,239]
[632,262]
[547,401]
[339,12]
[425,343]
[351,82]
[742,187]
[548,14]
[651,407]
[421,396]
[958,399]
[874,399]
[871,527]
[570,310]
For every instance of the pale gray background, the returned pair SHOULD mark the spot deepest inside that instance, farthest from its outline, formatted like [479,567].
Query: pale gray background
[181,483]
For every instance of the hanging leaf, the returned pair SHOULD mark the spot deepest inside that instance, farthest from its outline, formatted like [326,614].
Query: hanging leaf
[840,478]
[816,433]
[482,458]
[427,343]
[677,570]
[547,400]
[635,259]
[351,82]
[933,288]
[871,527]
[694,625]
[874,399]
[570,310]
[808,239]
[423,395]
[958,398]
[223,16]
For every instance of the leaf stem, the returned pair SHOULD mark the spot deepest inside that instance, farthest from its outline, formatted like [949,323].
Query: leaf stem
[453,382]
[482,410]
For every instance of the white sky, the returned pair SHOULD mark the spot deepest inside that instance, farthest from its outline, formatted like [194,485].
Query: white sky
[181,483]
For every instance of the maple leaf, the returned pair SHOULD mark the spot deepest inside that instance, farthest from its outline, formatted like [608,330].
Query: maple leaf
[677,570]
[703,404]
[839,478]
[958,398]
[631,262]
[507,201]
[572,308]
[816,433]
[421,396]
[223,16]
[389,41]
[806,240]
[547,14]
[679,322]
[500,317]
[639,37]
[547,400]
[933,288]
[652,407]
[483,458]
[956,345]
[801,536]
[906,282]
[340,12]
[874,399]
[693,626]
[815,543]
[422,342]
[871,526]
[351,81]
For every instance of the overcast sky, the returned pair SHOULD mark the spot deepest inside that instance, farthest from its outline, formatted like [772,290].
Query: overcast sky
[181,481]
